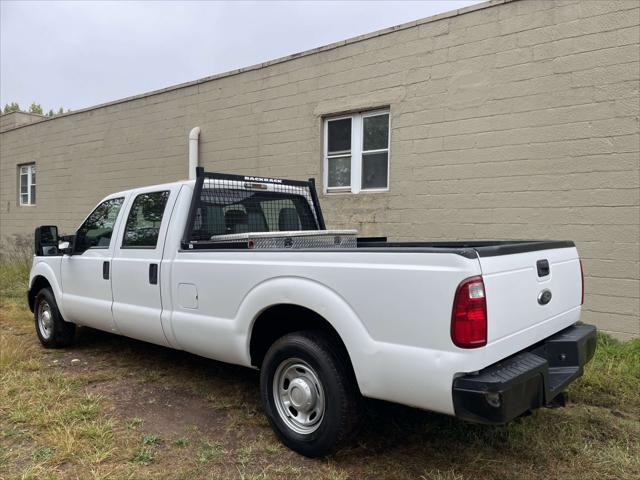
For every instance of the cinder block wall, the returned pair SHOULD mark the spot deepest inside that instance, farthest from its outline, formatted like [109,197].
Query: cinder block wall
[508,120]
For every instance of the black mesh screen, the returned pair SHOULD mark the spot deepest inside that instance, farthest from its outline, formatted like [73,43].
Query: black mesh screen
[231,205]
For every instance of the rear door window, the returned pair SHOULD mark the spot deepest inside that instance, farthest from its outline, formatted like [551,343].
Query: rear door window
[145,217]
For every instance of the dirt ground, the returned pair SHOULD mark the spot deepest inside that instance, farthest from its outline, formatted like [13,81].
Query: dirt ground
[111,407]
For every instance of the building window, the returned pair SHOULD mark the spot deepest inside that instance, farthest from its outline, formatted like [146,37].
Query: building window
[27,179]
[356,152]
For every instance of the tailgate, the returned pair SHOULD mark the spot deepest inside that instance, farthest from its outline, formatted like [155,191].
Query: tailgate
[527,289]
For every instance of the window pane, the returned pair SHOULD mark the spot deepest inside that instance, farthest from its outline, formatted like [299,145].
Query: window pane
[339,132]
[24,180]
[143,225]
[236,219]
[33,195]
[339,174]
[97,228]
[33,176]
[23,199]
[374,170]
[230,211]
[283,215]
[375,132]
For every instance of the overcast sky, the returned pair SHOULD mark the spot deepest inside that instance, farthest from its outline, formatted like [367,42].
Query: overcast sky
[78,54]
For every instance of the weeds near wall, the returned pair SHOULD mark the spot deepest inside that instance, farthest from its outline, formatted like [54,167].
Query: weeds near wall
[15,262]
[17,249]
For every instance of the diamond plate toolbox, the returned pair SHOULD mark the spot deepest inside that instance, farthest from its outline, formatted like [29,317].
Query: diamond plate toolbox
[294,239]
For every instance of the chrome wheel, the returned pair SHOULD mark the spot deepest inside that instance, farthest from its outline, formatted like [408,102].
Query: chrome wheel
[299,396]
[45,320]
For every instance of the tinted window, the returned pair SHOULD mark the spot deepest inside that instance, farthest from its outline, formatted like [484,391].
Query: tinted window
[375,170]
[96,230]
[281,215]
[143,224]
[375,132]
[339,132]
[339,174]
[230,211]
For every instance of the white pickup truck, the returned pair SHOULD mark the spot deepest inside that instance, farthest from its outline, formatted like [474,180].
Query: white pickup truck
[242,270]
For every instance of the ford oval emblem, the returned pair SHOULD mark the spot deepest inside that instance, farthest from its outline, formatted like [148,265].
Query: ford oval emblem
[544,297]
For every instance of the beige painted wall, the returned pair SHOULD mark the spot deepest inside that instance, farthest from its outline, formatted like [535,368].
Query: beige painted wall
[15,119]
[514,120]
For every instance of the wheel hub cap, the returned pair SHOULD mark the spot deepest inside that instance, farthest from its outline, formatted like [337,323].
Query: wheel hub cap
[45,320]
[298,395]
[301,395]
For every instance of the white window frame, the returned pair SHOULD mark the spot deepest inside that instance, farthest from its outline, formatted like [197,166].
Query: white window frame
[356,152]
[27,170]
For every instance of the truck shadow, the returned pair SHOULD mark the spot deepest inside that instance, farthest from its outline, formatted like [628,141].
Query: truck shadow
[225,394]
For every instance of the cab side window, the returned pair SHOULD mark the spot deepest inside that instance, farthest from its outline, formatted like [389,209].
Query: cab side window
[143,225]
[97,229]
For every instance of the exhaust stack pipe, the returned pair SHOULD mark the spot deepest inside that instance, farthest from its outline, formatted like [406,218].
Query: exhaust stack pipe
[194,135]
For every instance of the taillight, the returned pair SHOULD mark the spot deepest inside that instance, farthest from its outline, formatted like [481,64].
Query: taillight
[582,278]
[469,315]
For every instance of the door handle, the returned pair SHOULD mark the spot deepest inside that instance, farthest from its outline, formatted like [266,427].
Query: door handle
[153,274]
[105,270]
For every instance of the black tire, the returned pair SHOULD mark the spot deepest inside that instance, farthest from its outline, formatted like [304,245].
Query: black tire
[55,333]
[327,360]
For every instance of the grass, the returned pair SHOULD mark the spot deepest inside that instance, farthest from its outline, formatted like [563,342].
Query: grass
[144,456]
[14,280]
[134,410]
[182,442]
[151,440]
[135,422]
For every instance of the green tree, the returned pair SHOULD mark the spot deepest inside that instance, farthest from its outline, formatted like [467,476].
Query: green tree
[35,108]
[11,107]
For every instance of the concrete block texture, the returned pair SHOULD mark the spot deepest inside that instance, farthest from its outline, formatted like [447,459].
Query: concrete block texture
[509,119]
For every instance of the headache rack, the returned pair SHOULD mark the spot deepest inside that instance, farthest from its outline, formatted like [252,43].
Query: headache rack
[250,212]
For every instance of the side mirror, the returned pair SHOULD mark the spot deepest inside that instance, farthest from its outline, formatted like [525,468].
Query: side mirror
[46,241]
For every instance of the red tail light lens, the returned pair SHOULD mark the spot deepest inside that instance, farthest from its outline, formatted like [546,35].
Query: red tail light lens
[469,315]
[582,278]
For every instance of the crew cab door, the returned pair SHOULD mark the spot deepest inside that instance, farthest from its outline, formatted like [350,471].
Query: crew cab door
[86,275]
[137,302]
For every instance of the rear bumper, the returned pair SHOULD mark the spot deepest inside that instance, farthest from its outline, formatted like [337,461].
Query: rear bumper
[527,380]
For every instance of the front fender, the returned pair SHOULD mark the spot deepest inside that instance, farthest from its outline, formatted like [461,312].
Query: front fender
[49,269]
[322,300]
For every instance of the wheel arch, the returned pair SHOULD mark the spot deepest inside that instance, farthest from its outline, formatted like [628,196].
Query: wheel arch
[39,282]
[42,276]
[289,304]
[283,318]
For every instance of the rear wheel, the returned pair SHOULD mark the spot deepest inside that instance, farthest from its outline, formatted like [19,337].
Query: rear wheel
[309,393]
[52,330]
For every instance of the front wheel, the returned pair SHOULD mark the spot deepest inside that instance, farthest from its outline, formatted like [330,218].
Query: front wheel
[309,393]
[52,330]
